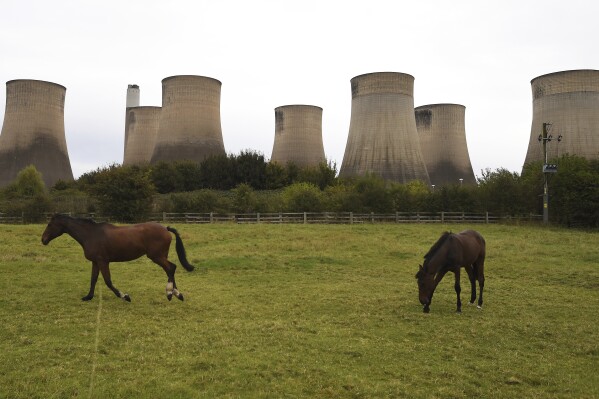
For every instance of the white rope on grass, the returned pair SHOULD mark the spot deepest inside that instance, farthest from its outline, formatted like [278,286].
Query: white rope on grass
[96,344]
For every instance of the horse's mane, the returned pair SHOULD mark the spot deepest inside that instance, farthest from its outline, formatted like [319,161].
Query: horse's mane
[437,245]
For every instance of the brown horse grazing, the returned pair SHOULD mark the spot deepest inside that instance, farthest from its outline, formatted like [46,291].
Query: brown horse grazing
[449,254]
[104,243]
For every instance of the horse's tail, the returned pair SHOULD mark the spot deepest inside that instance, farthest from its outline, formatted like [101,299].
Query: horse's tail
[181,250]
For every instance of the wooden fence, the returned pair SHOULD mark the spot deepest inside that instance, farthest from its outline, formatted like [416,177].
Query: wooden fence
[307,218]
[327,217]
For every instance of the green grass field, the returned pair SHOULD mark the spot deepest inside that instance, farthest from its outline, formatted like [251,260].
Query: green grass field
[302,311]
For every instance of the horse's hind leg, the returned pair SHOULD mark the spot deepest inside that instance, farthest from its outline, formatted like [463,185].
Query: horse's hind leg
[176,292]
[106,274]
[171,285]
[480,275]
[470,272]
[458,289]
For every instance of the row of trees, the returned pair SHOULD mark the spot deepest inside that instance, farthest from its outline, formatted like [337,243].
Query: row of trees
[246,183]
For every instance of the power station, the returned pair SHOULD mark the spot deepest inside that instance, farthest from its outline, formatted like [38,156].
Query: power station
[33,131]
[140,135]
[298,135]
[569,102]
[132,96]
[382,138]
[190,127]
[442,132]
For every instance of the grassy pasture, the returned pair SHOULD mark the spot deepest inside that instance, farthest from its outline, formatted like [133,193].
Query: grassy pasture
[302,311]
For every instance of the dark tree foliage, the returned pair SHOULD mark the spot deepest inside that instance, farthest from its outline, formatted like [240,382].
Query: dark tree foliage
[217,172]
[165,178]
[321,175]
[250,168]
[247,183]
[276,176]
[372,195]
[123,192]
[501,192]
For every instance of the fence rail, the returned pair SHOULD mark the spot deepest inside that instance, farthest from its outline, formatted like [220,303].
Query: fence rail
[306,218]
[327,217]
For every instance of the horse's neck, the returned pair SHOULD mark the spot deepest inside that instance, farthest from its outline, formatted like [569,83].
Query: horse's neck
[439,259]
[79,231]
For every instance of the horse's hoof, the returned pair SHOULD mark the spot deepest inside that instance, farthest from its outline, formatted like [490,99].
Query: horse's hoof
[180,297]
[169,296]
[127,298]
[479,307]
[87,298]
[458,312]
[426,310]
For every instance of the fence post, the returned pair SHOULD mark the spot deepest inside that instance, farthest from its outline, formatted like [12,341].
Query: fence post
[442,216]
[371,217]
[463,216]
[258,217]
[305,218]
[418,217]
[22,217]
[163,217]
[280,217]
[211,217]
[487,217]
[396,217]
[351,218]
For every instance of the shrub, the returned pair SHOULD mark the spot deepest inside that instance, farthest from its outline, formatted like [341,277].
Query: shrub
[123,192]
[302,197]
[27,196]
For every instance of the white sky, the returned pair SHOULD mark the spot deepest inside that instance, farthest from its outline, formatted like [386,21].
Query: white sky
[268,53]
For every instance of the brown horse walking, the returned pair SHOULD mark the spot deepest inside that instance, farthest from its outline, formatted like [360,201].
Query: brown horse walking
[451,252]
[104,243]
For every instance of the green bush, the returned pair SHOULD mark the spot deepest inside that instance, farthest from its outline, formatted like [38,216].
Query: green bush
[26,196]
[123,192]
[302,197]
[202,201]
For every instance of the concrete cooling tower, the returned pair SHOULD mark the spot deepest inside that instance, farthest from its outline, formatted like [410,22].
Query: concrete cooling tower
[190,127]
[569,101]
[298,135]
[442,132]
[33,131]
[141,126]
[382,136]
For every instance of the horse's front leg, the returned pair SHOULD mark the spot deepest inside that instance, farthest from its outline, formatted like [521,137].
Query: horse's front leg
[106,274]
[436,282]
[458,289]
[92,286]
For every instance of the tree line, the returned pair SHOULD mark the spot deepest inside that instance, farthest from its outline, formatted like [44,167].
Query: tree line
[246,183]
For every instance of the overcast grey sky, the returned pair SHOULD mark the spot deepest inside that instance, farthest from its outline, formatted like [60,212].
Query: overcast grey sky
[268,53]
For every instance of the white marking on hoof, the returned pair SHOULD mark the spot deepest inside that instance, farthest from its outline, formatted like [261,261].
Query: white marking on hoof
[176,292]
[169,288]
[479,307]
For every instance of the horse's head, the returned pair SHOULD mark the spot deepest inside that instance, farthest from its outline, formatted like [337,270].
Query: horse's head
[54,229]
[425,285]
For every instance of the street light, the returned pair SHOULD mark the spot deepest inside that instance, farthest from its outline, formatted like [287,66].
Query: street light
[547,169]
